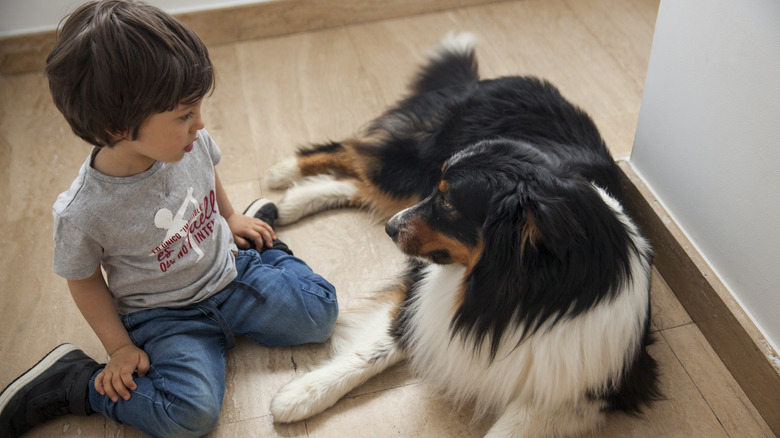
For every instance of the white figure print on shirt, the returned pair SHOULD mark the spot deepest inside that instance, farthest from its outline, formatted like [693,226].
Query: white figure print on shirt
[178,225]
[186,231]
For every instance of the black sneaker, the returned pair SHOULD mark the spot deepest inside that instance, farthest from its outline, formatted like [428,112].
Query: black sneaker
[55,386]
[263,209]
[266,211]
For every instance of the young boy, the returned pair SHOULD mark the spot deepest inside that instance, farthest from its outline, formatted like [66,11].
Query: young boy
[149,209]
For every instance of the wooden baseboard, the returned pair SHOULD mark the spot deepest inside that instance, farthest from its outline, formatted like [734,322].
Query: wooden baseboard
[27,53]
[733,336]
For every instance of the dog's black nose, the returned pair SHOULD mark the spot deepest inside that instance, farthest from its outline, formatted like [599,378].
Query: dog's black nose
[391,228]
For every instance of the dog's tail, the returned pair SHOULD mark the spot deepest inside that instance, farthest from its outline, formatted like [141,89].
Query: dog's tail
[451,63]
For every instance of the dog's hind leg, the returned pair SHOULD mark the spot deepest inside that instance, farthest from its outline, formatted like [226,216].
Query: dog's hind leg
[314,177]
[334,175]
[315,194]
[323,192]
[335,158]
[363,346]
[283,174]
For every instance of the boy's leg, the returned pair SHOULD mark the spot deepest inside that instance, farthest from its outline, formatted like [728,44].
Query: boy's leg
[278,300]
[181,395]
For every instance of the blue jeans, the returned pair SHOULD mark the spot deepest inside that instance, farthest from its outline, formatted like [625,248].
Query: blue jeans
[276,299]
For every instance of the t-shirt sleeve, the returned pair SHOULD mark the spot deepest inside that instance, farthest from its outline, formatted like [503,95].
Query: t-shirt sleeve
[76,255]
[211,147]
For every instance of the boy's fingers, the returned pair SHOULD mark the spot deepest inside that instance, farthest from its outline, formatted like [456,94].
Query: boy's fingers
[143,367]
[99,384]
[119,386]
[264,228]
[240,242]
[266,235]
[127,380]
[108,387]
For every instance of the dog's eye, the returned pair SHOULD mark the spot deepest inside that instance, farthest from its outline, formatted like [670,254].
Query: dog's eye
[445,203]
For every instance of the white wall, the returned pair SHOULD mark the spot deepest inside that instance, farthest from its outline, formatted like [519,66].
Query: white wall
[28,16]
[708,140]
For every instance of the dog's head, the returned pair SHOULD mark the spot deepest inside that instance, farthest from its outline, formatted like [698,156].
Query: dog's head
[493,194]
[539,241]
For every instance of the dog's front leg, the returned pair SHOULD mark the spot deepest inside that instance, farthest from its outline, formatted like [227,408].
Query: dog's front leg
[363,347]
[523,418]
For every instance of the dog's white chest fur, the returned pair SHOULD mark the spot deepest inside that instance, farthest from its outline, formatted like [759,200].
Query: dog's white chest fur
[465,374]
[433,308]
[547,367]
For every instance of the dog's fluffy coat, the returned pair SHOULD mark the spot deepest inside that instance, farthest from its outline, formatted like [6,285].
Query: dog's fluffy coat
[527,291]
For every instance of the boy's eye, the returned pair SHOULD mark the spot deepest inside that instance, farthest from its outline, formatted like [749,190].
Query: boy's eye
[187,116]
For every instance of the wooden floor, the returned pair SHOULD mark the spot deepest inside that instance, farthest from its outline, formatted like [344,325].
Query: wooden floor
[278,93]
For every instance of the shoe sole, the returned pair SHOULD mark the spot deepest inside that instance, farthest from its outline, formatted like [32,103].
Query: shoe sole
[44,364]
[256,206]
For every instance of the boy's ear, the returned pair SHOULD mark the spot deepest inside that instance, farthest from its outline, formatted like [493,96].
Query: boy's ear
[118,135]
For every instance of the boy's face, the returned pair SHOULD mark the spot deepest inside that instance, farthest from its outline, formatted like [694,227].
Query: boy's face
[169,135]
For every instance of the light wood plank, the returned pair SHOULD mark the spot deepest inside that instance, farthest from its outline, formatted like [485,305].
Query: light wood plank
[713,380]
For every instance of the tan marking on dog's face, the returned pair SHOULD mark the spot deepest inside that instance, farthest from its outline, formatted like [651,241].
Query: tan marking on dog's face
[444,186]
[417,238]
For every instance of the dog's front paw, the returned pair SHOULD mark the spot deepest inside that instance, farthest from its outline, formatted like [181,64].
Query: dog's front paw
[283,174]
[301,399]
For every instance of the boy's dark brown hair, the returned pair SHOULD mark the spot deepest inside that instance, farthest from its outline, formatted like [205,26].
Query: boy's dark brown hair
[115,63]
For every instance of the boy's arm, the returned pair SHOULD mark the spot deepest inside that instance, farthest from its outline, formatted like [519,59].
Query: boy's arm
[244,228]
[96,304]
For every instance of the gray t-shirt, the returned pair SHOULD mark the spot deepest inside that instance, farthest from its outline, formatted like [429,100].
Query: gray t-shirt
[158,234]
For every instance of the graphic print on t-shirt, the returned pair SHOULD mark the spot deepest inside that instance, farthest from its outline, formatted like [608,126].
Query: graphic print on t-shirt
[183,234]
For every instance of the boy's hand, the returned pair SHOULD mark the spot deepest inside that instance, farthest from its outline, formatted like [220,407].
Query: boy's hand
[116,379]
[245,229]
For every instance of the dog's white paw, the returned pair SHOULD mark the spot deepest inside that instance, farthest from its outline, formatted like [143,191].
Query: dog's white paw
[314,194]
[283,174]
[301,399]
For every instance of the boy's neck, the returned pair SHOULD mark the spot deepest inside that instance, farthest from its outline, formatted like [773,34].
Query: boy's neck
[116,161]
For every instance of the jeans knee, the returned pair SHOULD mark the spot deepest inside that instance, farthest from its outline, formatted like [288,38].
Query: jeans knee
[325,322]
[194,420]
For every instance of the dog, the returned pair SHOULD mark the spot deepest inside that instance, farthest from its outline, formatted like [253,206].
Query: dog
[527,287]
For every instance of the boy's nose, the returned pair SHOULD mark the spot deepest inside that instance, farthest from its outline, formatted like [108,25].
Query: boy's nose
[199,124]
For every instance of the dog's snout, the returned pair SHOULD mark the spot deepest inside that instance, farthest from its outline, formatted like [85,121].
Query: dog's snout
[391,228]
[395,224]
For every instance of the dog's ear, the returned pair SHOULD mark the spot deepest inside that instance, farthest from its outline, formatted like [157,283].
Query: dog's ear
[504,227]
[526,237]
[548,220]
